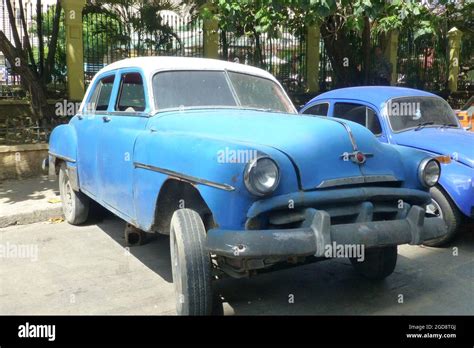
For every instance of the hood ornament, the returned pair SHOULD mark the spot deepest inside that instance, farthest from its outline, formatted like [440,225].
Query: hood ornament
[357,157]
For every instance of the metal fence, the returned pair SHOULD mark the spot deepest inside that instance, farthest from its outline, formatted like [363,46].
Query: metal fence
[283,56]
[422,61]
[108,39]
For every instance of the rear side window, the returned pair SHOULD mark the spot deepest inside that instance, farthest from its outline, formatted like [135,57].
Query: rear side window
[360,114]
[101,95]
[131,93]
[317,110]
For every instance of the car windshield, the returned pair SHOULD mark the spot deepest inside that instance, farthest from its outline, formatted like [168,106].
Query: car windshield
[418,112]
[201,88]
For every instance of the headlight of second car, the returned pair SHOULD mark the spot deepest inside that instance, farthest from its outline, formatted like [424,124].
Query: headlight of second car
[429,172]
[261,176]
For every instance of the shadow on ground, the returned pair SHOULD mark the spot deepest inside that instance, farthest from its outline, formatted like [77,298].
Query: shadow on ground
[427,281]
[155,254]
[14,191]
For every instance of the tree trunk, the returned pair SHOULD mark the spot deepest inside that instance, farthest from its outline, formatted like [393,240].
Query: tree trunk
[340,53]
[50,59]
[39,26]
[29,79]
[258,50]
[225,45]
[366,50]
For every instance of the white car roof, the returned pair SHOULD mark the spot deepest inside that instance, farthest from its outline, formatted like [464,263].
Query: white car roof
[150,65]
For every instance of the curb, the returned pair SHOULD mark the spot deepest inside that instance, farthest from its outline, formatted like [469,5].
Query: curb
[41,215]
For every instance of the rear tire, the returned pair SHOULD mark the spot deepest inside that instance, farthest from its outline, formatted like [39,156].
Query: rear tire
[378,264]
[442,206]
[191,264]
[75,204]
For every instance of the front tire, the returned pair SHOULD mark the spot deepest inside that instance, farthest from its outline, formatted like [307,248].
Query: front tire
[442,206]
[191,264]
[378,263]
[75,204]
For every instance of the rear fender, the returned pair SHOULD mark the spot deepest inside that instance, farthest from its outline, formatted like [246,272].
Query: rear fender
[63,144]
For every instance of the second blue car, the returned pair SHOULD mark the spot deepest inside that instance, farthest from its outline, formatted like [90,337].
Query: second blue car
[415,119]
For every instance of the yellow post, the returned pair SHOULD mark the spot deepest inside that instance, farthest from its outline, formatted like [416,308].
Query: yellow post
[74,47]
[391,53]
[454,36]
[312,58]
[211,38]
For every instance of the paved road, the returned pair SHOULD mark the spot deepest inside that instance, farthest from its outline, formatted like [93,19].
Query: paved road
[87,270]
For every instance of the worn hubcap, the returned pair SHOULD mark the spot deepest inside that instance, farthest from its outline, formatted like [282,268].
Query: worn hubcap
[433,209]
[67,198]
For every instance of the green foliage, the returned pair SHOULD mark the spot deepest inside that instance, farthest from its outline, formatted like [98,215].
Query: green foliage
[117,21]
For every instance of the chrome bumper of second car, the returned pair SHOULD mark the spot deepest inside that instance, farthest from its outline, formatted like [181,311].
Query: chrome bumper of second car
[316,232]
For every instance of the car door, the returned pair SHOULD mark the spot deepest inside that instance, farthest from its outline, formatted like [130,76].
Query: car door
[127,118]
[88,124]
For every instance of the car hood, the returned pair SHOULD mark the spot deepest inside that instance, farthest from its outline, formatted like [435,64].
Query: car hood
[315,145]
[454,142]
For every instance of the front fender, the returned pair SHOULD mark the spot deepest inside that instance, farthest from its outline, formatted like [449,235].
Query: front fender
[457,180]
[411,159]
[161,155]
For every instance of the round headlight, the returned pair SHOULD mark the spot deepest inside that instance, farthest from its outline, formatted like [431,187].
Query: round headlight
[261,176]
[429,172]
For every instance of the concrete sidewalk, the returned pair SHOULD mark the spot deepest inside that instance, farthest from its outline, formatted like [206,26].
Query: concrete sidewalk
[28,201]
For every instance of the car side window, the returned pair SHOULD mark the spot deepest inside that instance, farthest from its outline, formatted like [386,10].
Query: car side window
[101,95]
[317,110]
[131,97]
[360,114]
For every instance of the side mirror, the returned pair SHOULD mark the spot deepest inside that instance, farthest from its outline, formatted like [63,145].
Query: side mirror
[468,128]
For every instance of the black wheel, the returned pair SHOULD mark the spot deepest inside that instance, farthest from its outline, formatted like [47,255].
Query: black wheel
[441,205]
[75,204]
[378,263]
[191,264]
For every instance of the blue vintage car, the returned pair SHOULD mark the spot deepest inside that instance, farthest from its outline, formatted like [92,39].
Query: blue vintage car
[215,155]
[419,120]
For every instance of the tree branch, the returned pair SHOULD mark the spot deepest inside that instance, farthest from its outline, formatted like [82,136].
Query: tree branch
[27,37]
[11,17]
[39,28]
[54,41]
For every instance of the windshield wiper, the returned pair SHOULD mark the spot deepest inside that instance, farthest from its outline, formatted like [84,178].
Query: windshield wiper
[445,125]
[424,124]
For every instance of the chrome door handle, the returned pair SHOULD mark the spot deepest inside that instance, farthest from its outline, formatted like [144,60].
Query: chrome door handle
[106,118]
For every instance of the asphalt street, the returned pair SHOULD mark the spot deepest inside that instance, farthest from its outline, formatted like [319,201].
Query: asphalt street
[56,268]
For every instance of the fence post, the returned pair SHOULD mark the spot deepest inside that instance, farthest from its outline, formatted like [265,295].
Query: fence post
[211,38]
[312,58]
[454,37]
[391,53]
[210,28]
[74,47]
